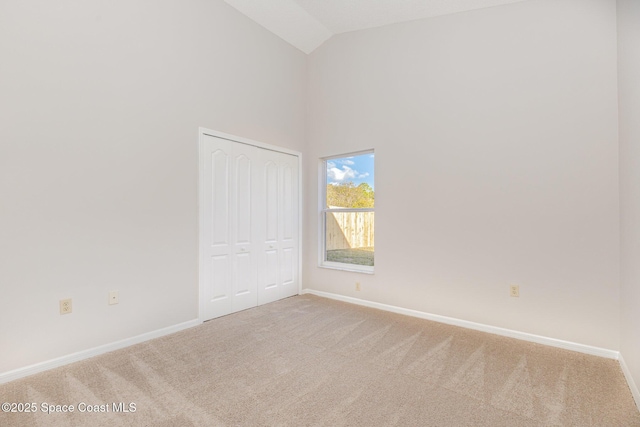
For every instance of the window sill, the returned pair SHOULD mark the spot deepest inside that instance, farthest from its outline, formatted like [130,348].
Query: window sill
[348,268]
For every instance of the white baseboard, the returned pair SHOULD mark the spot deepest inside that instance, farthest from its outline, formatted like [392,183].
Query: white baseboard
[632,384]
[567,345]
[85,354]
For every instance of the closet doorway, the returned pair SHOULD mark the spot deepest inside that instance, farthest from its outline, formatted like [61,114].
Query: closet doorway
[249,223]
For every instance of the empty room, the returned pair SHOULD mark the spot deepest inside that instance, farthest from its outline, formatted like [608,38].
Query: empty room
[329,213]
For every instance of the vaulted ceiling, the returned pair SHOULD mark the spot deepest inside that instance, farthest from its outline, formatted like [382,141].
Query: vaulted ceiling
[306,24]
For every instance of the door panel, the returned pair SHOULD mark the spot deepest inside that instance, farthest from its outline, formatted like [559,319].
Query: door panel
[243,282]
[245,247]
[271,195]
[287,266]
[289,235]
[271,270]
[230,280]
[280,245]
[215,251]
[245,285]
[243,199]
[287,201]
[220,197]
[220,278]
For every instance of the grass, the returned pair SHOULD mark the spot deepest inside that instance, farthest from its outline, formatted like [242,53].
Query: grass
[358,256]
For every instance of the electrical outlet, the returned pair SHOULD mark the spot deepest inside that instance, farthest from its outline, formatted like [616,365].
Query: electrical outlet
[514,290]
[65,306]
[113,297]
[357,286]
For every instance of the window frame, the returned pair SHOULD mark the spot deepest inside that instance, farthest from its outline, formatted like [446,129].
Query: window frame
[324,210]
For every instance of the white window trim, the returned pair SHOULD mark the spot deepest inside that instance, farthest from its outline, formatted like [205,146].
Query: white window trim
[322,198]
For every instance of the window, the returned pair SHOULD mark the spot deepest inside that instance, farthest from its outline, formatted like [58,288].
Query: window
[347,212]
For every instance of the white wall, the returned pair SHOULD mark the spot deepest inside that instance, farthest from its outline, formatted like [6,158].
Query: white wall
[629,101]
[100,104]
[495,134]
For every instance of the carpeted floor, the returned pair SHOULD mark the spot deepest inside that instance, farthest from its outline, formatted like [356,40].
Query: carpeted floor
[308,361]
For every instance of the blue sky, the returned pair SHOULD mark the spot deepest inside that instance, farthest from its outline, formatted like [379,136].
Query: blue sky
[356,169]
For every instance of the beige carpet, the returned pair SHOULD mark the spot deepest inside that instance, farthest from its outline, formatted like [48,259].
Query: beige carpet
[308,361]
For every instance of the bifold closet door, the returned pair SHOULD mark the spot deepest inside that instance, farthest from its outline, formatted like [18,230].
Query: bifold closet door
[278,264]
[250,214]
[231,248]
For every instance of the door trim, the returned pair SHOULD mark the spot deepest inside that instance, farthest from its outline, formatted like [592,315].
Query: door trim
[202,133]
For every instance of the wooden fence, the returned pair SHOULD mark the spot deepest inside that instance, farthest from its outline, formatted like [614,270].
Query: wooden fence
[349,230]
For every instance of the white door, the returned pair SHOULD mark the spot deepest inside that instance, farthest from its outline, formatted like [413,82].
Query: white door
[289,239]
[278,268]
[229,246]
[249,225]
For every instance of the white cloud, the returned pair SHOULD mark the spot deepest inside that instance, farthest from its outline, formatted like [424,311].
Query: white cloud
[363,175]
[349,162]
[340,175]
